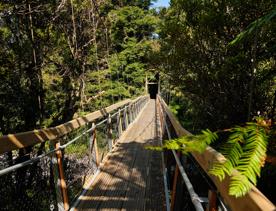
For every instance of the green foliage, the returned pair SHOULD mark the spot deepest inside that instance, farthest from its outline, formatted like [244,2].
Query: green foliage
[218,81]
[222,84]
[255,25]
[244,149]
[190,143]
[63,59]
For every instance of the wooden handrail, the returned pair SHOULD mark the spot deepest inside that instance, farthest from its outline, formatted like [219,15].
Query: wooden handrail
[21,140]
[253,200]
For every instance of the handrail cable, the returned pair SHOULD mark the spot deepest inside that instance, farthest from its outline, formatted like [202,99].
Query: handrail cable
[201,173]
[33,160]
[193,195]
[164,168]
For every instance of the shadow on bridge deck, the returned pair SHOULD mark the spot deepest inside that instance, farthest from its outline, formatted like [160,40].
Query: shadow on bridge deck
[131,178]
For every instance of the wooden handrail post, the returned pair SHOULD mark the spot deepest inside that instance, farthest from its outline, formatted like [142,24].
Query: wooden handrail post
[133,112]
[130,113]
[138,107]
[136,110]
[93,144]
[119,123]
[175,177]
[125,118]
[212,198]
[109,132]
[62,177]
[57,182]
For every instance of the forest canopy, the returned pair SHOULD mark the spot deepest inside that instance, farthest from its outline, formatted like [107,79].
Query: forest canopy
[224,81]
[61,59]
[216,59]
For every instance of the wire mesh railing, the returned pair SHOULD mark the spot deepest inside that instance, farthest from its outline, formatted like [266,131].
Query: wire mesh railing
[29,187]
[52,175]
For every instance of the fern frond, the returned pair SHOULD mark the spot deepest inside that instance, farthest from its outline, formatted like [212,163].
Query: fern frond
[156,148]
[220,170]
[192,143]
[244,150]
[254,153]
[232,151]
[239,185]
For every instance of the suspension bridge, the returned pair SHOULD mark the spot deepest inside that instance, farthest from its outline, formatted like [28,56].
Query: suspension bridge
[99,162]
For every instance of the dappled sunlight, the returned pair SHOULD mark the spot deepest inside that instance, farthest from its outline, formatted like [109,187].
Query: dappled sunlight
[125,181]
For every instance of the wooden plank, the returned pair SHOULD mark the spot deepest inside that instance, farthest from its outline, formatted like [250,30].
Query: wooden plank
[253,200]
[97,191]
[103,183]
[144,189]
[113,198]
[20,140]
[135,197]
[136,187]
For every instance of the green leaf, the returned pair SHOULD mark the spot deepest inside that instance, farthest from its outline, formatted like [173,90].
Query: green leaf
[254,26]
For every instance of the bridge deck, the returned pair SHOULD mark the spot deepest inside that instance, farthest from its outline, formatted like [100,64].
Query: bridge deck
[131,177]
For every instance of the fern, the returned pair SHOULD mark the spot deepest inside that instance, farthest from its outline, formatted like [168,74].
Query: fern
[244,150]
[190,143]
[232,151]
[239,185]
[254,154]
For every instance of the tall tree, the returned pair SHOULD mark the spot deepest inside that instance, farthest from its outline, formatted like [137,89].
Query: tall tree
[223,84]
